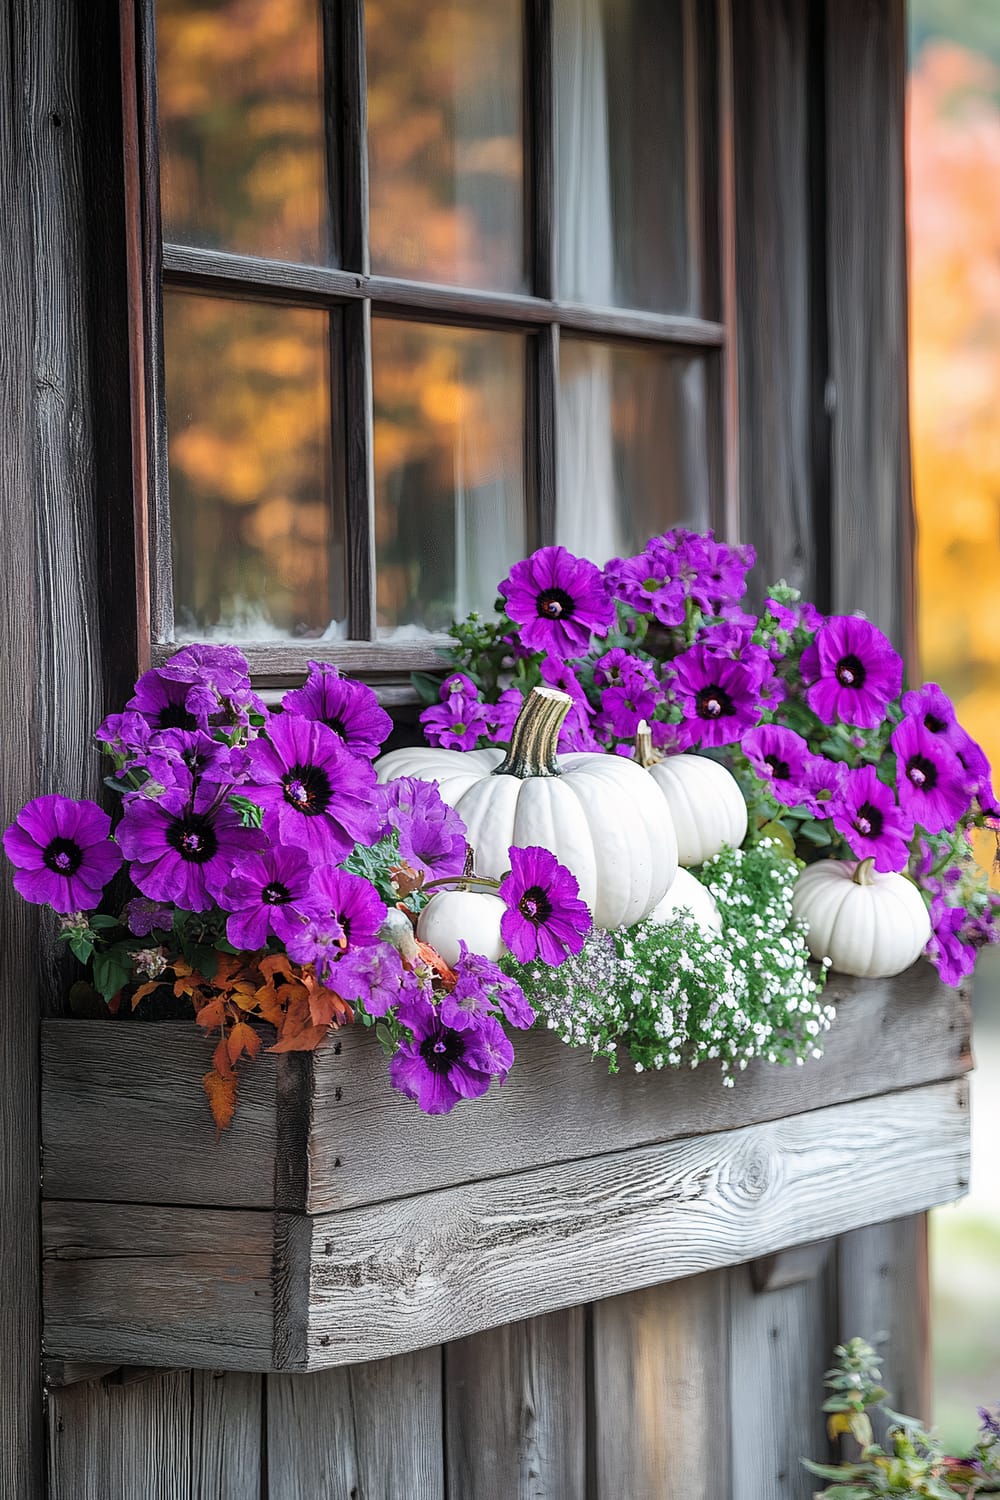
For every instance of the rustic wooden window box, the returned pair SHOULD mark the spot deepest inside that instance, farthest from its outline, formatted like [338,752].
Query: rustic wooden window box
[334,1223]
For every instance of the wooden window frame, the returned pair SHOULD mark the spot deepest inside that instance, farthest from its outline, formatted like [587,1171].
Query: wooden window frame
[352,291]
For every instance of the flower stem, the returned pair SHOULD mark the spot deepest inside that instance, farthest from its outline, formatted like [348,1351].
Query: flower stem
[535,735]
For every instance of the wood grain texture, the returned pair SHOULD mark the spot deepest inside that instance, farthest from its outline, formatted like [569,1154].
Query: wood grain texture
[660,1382]
[773,186]
[158,1286]
[884,1298]
[780,1343]
[141,1083]
[120,1442]
[226,1448]
[407,1273]
[372,1432]
[515,1411]
[871,529]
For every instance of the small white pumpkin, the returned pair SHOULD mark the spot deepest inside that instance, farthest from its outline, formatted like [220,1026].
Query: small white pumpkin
[600,815]
[868,924]
[704,798]
[472,917]
[688,893]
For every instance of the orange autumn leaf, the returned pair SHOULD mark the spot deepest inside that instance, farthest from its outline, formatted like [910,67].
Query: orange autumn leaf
[212,1014]
[298,1031]
[432,958]
[220,1059]
[221,1093]
[149,988]
[242,1039]
[269,1005]
[325,1006]
[273,965]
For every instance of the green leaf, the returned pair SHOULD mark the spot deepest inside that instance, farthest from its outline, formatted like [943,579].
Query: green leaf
[81,949]
[99,922]
[251,816]
[427,686]
[386,1039]
[112,970]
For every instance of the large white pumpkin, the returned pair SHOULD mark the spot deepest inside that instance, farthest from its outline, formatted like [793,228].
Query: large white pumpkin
[868,924]
[688,893]
[601,815]
[704,798]
[472,917]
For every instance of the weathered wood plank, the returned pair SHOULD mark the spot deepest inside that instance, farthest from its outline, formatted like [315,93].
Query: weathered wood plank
[158,1286]
[515,1411]
[660,1381]
[883,1290]
[780,1344]
[204,1287]
[226,1437]
[371,1431]
[119,1442]
[871,530]
[141,1084]
[402,1274]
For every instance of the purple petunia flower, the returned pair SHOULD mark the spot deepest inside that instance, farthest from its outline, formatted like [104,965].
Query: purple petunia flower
[163,701]
[823,779]
[932,707]
[143,916]
[483,986]
[269,895]
[781,758]
[315,794]
[618,667]
[865,813]
[455,724]
[649,584]
[220,670]
[975,761]
[347,914]
[852,671]
[183,847]
[124,734]
[953,958]
[575,732]
[457,682]
[350,709]
[559,601]
[174,752]
[719,698]
[374,977]
[934,787]
[500,716]
[431,834]
[545,917]
[440,1065]
[62,853]
[720,571]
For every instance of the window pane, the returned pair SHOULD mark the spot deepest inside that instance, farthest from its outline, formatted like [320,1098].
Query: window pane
[445,141]
[623,149]
[631,447]
[449,470]
[240,101]
[256,555]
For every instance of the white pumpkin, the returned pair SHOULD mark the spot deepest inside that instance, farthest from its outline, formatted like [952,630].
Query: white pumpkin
[472,917]
[600,815]
[868,924]
[704,798]
[688,893]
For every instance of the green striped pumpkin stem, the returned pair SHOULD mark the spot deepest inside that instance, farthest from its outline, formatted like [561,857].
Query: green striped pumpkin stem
[644,752]
[864,872]
[535,735]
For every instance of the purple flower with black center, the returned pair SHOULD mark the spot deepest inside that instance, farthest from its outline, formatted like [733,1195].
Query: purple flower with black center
[624,708]
[617,667]
[932,708]
[719,698]
[852,671]
[315,794]
[62,853]
[865,814]
[269,895]
[545,917]
[347,914]
[143,917]
[350,709]
[559,601]
[183,847]
[177,751]
[953,958]
[483,986]
[648,583]
[165,702]
[374,977]
[781,758]
[974,760]
[933,785]
[455,724]
[439,1065]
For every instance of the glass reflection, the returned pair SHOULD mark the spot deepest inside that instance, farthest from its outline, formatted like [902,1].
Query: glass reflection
[445,141]
[255,555]
[631,447]
[449,470]
[623,227]
[240,104]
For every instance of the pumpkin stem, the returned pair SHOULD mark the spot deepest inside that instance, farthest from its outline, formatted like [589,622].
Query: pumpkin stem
[644,752]
[863,872]
[535,735]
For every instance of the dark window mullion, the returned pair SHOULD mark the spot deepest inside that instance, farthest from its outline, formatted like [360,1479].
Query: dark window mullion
[541,385]
[345,19]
